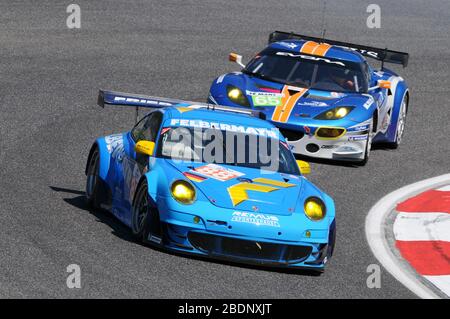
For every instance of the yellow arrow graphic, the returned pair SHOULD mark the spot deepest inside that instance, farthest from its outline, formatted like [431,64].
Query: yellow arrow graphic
[238,193]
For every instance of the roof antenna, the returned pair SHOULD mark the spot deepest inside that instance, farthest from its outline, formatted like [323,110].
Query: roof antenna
[324,30]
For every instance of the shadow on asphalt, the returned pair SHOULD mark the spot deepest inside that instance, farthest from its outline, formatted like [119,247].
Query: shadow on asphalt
[123,232]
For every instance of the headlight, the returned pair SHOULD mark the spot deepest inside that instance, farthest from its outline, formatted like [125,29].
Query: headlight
[315,208]
[235,94]
[183,192]
[335,114]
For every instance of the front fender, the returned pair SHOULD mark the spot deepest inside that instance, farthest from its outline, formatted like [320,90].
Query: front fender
[400,92]
[105,157]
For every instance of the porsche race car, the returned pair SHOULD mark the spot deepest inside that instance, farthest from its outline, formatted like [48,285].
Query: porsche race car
[159,181]
[323,94]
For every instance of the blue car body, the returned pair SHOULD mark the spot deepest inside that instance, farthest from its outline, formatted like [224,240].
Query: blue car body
[267,228]
[374,108]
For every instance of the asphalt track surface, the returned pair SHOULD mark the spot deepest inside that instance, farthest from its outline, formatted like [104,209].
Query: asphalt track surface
[49,77]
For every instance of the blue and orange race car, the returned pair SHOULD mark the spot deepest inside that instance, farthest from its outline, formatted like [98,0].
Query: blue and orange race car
[195,179]
[322,94]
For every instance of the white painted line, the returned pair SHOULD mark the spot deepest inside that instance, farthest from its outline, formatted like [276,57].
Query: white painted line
[376,237]
[444,189]
[422,226]
[442,282]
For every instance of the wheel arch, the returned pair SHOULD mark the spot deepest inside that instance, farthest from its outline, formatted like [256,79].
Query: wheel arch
[105,159]
[401,92]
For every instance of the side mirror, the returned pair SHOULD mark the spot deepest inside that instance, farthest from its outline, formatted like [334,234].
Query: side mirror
[382,84]
[145,147]
[234,57]
[304,167]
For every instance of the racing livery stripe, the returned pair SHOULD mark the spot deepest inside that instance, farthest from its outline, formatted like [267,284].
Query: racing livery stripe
[288,102]
[315,48]
[308,47]
[321,49]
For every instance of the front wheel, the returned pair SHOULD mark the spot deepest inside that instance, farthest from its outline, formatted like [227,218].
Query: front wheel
[368,144]
[93,183]
[145,223]
[400,123]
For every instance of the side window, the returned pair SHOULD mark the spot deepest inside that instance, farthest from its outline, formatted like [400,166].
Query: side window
[366,71]
[147,128]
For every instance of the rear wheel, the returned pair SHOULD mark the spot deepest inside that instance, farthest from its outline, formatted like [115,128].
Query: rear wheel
[93,182]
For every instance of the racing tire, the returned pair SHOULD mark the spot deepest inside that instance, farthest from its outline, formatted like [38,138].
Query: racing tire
[331,240]
[368,145]
[93,182]
[144,217]
[400,129]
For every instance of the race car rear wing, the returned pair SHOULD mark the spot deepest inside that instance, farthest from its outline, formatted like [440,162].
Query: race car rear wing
[383,55]
[152,102]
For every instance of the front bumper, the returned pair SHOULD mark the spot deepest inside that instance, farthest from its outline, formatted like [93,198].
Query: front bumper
[195,239]
[349,147]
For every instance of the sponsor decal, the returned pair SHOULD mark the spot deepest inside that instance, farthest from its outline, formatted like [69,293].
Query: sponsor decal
[265,98]
[272,133]
[217,172]
[358,138]
[362,51]
[194,177]
[255,219]
[358,128]
[114,146]
[120,99]
[314,103]
[308,57]
[368,103]
[289,45]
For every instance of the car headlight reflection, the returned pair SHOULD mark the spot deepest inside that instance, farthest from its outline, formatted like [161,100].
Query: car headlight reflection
[315,208]
[183,192]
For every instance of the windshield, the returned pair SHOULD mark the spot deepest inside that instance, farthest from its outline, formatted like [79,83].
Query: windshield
[303,70]
[226,147]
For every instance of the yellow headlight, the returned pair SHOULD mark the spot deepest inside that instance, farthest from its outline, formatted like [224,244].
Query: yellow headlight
[329,114]
[234,94]
[183,192]
[341,112]
[314,208]
[336,113]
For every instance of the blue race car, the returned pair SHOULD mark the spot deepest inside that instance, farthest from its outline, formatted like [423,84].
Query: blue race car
[322,94]
[159,180]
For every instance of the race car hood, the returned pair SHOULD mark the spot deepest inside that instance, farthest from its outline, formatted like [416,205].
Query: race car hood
[244,189]
[310,104]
